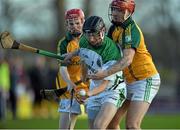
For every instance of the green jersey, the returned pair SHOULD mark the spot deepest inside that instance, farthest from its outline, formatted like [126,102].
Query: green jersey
[100,58]
[107,51]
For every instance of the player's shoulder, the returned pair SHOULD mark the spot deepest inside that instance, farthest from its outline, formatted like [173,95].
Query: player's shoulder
[132,27]
[65,40]
[132,34]
[109,42]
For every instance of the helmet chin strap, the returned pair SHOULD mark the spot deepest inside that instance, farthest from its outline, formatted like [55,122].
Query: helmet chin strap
[102,35]
[126,15]
[77,34]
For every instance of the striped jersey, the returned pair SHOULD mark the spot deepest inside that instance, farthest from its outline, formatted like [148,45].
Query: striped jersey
[129,35]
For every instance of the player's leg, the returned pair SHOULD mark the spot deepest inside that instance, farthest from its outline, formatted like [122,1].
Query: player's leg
[135,114]
[142,93]
[65,122]
[122,107]
[92,113]
[112,100]
[90,122]
[114,124]
[105,115]
[93,107]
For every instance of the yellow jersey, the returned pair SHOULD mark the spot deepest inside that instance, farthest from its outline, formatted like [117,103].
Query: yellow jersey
[66,45]
[129,35]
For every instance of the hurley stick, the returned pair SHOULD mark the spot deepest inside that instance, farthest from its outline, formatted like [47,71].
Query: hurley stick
[7,42]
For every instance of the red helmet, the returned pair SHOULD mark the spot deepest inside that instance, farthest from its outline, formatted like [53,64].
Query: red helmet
[74,13]
[123,5]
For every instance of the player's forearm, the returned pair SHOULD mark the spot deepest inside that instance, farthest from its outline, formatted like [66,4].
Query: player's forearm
[120,65]
[65,75]
[98,89]
[84,71]
[128,55]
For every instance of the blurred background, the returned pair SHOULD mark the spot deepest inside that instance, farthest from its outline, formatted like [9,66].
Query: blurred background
[40,23]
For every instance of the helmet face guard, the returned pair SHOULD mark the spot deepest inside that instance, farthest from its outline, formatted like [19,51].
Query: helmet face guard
[124,7]
[74,21]
[74,26]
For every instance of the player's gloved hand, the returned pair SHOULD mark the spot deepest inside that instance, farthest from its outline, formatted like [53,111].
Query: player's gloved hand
[81,96]
[68,56]
[66,61]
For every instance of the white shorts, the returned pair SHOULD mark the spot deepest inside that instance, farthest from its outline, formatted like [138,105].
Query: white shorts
[64,106]
[116,97]
[144,90]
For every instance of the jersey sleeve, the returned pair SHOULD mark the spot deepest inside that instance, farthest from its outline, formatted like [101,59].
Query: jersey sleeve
[62,48]
[132,37]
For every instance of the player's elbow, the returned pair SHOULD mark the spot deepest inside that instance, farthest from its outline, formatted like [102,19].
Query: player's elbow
[129,60]
[128,56]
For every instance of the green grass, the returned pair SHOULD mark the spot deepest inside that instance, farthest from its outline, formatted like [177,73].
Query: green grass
[150,122]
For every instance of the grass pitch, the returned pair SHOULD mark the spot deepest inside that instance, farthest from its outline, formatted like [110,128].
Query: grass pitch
[150,122]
